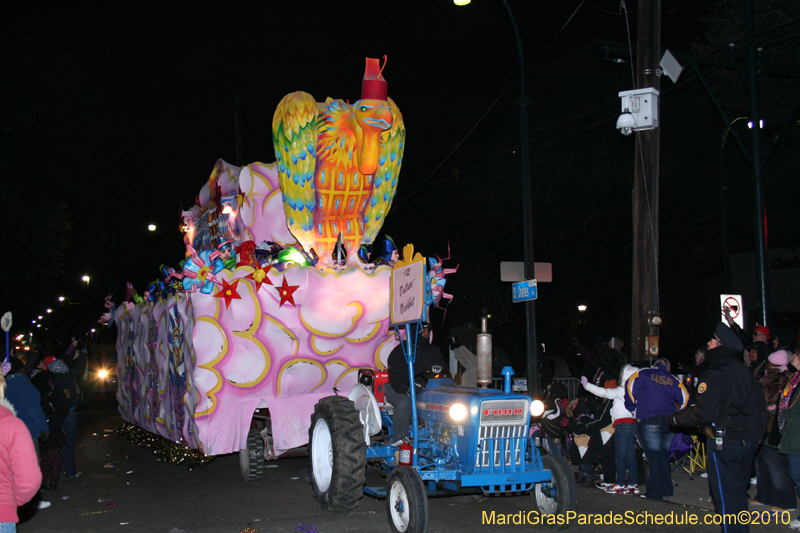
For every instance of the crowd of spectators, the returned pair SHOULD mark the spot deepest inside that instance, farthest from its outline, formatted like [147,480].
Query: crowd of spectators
[41,395]
[736,397]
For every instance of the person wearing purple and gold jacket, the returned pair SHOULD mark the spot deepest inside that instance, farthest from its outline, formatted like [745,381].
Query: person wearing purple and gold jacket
[656,394]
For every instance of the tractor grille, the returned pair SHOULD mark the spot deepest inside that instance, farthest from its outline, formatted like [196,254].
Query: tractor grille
[500,446]
[502,436]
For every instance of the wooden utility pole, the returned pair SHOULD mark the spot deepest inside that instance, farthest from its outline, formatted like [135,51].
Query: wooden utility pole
[645,188]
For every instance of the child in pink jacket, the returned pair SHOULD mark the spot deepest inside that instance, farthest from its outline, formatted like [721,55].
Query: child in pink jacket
[20,476]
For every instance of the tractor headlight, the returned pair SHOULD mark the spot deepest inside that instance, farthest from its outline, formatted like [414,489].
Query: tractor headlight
[102,374]
[537,408]
[458,412]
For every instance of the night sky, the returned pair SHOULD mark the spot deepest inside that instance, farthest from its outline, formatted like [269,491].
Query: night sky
[120,111]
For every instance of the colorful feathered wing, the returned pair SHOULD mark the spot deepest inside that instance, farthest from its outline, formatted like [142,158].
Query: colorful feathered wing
[338,165]
[393,142]
[294,135]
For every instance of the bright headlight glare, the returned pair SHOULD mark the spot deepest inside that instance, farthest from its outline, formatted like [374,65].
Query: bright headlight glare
[458,412]
[537,408]
[102,374]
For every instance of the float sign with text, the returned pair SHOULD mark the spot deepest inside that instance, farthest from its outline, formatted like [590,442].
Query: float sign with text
[408,285]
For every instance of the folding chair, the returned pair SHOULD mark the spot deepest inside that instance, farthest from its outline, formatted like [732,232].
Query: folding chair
[697,457]
[680,456]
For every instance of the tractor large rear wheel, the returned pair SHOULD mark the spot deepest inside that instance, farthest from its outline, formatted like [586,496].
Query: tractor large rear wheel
[337,453]
[558,495]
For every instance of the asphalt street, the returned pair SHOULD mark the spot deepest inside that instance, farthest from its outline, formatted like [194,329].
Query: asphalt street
[124,487]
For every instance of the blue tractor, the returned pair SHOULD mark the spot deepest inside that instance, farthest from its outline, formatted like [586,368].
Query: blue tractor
[463,439]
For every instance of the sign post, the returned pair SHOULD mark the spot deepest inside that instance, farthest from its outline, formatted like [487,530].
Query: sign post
[408,309]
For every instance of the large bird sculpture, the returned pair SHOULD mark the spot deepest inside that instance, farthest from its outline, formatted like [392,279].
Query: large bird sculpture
[338,165]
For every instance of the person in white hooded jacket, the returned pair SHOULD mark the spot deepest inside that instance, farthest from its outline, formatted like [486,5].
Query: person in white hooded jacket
[624,433]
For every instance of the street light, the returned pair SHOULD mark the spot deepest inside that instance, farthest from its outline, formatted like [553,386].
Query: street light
[49,311]
[61,298]
[86,279]
[582,308]
[153,228]
[527,219]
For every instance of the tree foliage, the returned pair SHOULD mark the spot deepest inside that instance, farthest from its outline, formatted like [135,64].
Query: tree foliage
[777,36]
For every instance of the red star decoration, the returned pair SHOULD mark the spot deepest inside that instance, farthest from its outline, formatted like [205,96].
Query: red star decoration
[228,292]
[286,291]
[259,275]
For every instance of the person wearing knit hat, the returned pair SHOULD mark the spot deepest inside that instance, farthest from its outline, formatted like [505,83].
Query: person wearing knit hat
[40,377]
[775,486]
[731,405]
[761,344]
[781,359]
[56,403]
[58,366]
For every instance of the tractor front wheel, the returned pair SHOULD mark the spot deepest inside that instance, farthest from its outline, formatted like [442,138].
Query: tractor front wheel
[406,501]
[558,495]
[251,458]
[338,454]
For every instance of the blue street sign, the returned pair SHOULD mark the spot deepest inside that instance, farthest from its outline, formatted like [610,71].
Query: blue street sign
[524,291]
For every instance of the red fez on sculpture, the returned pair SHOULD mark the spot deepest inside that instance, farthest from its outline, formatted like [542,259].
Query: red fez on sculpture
[374,86]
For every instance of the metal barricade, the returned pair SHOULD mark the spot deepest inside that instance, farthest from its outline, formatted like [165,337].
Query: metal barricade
[573,386]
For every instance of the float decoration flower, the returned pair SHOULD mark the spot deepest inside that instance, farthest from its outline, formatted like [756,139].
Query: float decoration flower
[199,270]
[286,292]
[228,292]
[435,281]
[259,275]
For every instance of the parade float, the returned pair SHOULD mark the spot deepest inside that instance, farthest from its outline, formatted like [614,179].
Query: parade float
[277,304]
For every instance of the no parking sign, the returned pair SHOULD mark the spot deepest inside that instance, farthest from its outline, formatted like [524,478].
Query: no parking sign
[734,303]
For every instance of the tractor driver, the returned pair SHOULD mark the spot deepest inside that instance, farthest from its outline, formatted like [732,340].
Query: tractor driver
[397,390]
